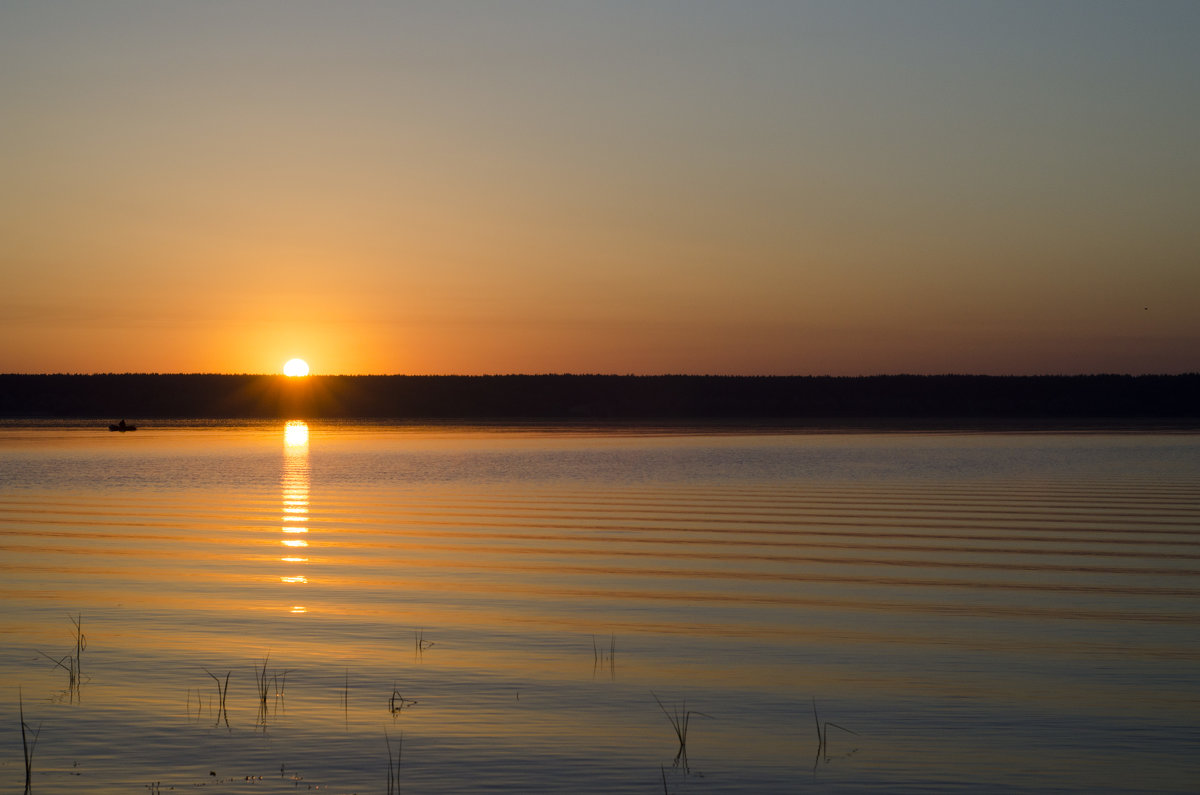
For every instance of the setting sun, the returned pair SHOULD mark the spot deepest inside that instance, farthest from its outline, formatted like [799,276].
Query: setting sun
[296,367]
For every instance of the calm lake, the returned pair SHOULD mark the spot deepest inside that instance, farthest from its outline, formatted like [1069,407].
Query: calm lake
[274,608]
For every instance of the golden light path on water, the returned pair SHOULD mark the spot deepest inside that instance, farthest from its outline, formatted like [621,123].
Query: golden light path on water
[295,482]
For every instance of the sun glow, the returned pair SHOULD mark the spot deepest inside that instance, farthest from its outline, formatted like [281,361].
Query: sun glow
[296,368]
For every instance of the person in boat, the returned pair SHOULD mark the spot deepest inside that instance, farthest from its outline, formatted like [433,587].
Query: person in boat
[121,424]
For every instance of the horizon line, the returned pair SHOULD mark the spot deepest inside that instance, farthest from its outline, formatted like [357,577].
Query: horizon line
[947,374]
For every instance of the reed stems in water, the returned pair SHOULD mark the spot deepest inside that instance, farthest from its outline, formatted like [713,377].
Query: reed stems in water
[679,722]
[346,698]
[222,689]
[72,664]
[260,676]
[600,655]
[67,663]
[397,702]
[27,745]
[823,730]
[605,658]
[80,644]
[393,781]
[277,680]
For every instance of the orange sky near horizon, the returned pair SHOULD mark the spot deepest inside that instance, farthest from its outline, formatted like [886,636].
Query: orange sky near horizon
[837,188]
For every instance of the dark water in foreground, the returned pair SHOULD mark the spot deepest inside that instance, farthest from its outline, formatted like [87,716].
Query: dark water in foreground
[1009,612]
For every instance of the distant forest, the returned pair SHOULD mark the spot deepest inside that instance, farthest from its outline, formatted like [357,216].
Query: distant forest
[600,397]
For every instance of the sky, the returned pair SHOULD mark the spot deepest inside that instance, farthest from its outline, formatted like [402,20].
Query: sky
[617,186]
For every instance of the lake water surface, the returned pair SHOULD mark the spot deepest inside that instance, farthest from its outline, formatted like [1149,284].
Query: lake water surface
[528,609]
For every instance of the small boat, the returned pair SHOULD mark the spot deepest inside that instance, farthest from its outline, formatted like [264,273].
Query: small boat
[122,427]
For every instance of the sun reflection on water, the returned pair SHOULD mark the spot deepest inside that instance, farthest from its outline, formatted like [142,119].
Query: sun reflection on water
[295,434]
[295,500]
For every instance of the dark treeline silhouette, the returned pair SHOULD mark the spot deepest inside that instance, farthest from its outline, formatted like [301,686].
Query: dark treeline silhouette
[600,397]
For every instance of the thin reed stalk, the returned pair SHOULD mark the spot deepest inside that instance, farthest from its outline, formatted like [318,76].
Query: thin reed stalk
[601,655]
[346,699]
[393,780]
[823,731]
[72,663]
[222,689]
[679,718]
[419,643]
[67,663]
[279,680]
[260,677]
[80,644]
[605,657]
[397,702]
[275,680]
[27,744]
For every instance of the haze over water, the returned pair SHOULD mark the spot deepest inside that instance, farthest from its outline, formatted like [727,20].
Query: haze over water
[1000,611]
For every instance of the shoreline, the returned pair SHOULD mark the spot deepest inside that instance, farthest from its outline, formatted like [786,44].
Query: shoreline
[820,401]
[810,426]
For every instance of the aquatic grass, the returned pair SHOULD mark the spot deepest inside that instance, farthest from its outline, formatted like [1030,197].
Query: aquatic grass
[397,702]
[420,644]
[346,699]
[599,654]
[222,689]
[393,780]
[199,704]
[72,663]
[605,657]
[67,663]
[680,719]
[27,745]
[260,678]
[264,683]
[80,644]
[279,682]
[823,732]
